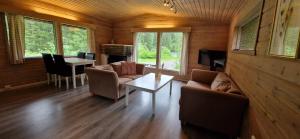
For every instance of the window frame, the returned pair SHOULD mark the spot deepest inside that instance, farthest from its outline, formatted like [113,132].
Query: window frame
[251,16]
[54,32]
[159,33]
[137,52]
[297,53]
[74,26]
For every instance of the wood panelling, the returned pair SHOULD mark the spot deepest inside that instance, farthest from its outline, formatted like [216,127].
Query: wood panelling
[272,84]
[33,69]
[211,10]
[203,34]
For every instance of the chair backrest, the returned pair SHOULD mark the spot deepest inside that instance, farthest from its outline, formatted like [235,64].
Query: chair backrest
[90,56]
[81,55]
[59,60]
[49,62]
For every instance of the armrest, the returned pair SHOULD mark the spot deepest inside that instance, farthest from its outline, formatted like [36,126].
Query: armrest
[203,76]
[222,112]
[140,69]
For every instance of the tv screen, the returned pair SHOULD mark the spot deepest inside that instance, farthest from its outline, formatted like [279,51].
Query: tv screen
[203,58]
[206,57]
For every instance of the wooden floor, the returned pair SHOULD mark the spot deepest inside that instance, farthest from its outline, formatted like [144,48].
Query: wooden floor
[44,112]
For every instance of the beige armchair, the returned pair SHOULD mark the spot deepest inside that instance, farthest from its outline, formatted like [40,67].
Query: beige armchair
[104,81]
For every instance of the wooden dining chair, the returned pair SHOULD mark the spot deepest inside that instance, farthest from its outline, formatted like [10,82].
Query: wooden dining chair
[65,70]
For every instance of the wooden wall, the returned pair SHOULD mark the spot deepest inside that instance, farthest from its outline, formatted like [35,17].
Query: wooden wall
[272,84]
[32,70]
[203,34]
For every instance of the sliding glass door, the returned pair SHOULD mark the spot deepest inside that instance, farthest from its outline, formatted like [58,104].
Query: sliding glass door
[167,53]
[170,50]
[146,51]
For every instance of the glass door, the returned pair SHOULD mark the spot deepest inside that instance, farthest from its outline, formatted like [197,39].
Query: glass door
[170,50]
[146,43]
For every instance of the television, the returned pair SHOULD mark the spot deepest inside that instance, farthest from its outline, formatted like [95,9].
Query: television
[207,57]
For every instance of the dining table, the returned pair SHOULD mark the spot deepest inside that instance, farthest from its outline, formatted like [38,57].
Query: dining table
[73,62]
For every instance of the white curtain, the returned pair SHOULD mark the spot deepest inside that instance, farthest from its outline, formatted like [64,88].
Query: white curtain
[15,38]
[134,52]
[184,54]
[91,40]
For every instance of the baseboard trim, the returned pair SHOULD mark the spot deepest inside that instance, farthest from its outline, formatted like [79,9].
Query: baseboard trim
[23,86]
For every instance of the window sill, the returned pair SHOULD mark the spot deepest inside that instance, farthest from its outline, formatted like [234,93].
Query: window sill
[245,52]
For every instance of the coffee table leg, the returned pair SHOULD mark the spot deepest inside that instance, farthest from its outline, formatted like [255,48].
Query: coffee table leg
[126,95]
[171,82]
[153,103]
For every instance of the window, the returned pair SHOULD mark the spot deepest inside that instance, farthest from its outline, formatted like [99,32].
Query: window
[170,48]
[39,37]
[247,28]
[286,31]
[171,45]
[247,35]
[146,43]
[75,39]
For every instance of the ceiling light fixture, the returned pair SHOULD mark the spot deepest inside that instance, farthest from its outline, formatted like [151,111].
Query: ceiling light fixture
[171,4]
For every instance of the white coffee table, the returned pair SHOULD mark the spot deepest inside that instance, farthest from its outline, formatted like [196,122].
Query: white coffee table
[149,84]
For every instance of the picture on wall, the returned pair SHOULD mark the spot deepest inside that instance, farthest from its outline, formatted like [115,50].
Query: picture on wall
[286,30]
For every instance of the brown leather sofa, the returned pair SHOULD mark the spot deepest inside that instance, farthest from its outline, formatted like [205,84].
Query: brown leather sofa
[107,80]
[204,102]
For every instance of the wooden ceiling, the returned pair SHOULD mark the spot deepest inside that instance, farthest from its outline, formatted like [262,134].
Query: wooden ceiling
[212,10]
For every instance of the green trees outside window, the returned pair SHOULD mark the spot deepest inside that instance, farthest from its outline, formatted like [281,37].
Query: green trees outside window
[171,45]
[39,37]
[146,47]
[75,39]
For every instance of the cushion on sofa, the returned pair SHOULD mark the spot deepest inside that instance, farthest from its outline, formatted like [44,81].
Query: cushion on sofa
[117,67]
[128,68]
[234,89]
[198,85]
[132,68]
[221,83]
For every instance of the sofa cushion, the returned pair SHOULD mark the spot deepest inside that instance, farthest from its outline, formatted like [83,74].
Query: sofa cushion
[234,89]
[221,83]
[131,68]
[198,85]
[117,67]
[223,86]
[131,76]
[128,68]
